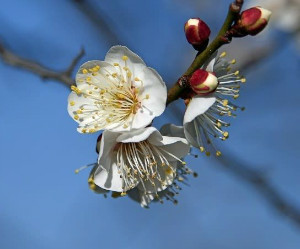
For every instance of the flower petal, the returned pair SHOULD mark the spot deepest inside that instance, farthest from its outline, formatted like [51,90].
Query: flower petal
[178,147]
[197,106]
[153,96]
[140,197]
[133,61]
[94,73]
[139,135]
[172,130]
[107,144]
[209,65]
[191,134]
[109,179]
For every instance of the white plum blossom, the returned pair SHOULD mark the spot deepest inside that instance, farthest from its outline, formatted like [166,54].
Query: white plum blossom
[142,159]
[119,94]
[202,117]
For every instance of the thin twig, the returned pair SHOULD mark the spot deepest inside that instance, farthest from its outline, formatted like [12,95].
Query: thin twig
[45,73]
[101,21]
[262,185]
[222,38]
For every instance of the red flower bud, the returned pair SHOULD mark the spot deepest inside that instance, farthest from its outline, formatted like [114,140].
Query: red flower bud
[254,20]
[203,82]
[197,32]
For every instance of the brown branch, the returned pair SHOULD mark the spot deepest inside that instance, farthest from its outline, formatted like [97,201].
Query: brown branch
[45,73]
[262,185]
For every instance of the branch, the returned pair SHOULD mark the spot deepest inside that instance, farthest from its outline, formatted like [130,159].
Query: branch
[45,73]
[101,21]
[262,185]
[222,38]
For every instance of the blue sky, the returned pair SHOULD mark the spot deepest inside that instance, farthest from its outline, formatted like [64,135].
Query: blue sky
[45,205]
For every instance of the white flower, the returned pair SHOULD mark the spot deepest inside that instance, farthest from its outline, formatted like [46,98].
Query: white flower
[118,94]
[142,158]
[202,117]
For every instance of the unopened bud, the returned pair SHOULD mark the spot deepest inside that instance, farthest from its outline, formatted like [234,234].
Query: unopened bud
[203,82]
[197,33]
[254,20]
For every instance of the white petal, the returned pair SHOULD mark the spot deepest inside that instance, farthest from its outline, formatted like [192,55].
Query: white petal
[139,135]
[107,144]
[209,65]
[172,130]
[140,197]
[98,78]
[153,94]
[191,134]
[109,179]
[75,102]
[178,147]
[197,106]
[116,53]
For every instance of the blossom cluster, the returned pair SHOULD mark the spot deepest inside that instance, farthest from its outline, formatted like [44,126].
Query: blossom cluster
[121,96]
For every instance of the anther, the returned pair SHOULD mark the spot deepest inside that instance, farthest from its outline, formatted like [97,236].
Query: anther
[223,54]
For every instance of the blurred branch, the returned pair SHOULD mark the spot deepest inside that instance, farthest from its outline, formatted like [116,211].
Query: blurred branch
[101,21]
[45,73]
[262,185]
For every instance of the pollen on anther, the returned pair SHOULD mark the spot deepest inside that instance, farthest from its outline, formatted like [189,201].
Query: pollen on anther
[225,102]
[233,61]
[147,96]
[72,103]
[84,71]
[223,54]
[137,79]
[243,80]
[116,64]
[218,153]
[76,117]
[226,134]
[124,58]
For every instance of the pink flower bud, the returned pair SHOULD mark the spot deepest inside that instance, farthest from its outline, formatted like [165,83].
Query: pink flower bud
[203,82]
[254,20]
[197,32]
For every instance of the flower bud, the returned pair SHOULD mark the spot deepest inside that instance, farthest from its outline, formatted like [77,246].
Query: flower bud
[203,82]
[254,20]
[197,33]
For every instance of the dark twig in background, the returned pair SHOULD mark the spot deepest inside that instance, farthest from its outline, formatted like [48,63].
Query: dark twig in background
[45,73]
[99,20]
[263,186]
[229,162]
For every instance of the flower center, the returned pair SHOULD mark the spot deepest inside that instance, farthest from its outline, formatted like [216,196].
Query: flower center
[115,96]
[145,163]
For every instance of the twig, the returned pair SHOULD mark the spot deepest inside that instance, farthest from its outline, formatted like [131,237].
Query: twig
[262,185]
[222,38]
[45,73]
[99,20]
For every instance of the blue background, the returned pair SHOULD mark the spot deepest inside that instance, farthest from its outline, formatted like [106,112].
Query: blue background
[43,204]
